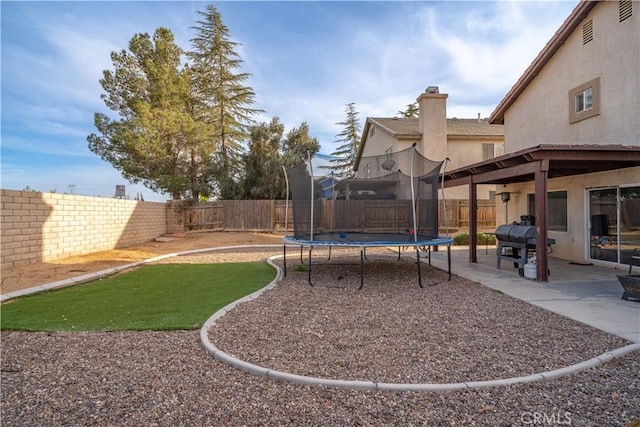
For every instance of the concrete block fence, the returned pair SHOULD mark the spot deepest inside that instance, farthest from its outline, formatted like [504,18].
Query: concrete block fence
[45,227]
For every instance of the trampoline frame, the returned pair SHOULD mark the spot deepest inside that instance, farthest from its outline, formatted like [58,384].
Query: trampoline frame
[424,245]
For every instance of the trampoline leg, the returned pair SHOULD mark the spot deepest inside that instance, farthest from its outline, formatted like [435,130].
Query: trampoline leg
[310,284]
[364,251]
[398,253]
[329,254]
[418,259]
[301,248]
[284,258]
[361,268]
[429,253]
[449,259]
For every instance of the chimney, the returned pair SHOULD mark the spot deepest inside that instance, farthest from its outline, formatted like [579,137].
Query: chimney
[479,120]
[432,123]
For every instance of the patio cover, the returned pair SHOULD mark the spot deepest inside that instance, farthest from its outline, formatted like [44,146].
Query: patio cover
[538,164]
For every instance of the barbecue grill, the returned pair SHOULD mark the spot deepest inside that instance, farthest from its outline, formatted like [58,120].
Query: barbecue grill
[515,241]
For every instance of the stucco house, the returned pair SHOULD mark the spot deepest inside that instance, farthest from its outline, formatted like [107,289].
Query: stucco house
[462,141]
[572,140]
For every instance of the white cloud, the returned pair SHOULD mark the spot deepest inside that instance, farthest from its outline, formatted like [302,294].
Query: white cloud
[307,60]
[497,46]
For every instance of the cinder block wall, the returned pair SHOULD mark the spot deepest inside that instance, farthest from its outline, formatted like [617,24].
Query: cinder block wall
[46,227]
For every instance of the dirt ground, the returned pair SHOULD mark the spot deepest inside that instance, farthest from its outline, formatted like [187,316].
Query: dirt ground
[22,277]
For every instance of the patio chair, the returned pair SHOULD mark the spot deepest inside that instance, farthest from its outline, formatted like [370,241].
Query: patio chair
[635,256]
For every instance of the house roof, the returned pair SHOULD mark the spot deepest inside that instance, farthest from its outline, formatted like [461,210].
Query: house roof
[559,38]
[398,127]
[473,127]
[409,128]
[562,160]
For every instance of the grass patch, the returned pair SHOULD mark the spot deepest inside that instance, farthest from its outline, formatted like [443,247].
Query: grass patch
[156,297]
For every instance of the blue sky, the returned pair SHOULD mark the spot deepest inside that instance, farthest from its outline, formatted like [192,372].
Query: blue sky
[307,60]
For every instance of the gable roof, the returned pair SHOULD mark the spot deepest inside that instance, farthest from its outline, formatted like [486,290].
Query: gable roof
[559,38]
[398,127]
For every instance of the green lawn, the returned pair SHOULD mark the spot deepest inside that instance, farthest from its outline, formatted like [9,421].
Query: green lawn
[157,297]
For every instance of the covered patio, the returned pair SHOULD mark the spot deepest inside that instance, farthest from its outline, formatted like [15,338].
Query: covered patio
[537,164]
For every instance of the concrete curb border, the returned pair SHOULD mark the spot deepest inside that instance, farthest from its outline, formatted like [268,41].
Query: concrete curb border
[313,381]
[376,386]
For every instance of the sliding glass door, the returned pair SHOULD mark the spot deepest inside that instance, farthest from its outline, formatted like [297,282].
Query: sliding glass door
[614,223]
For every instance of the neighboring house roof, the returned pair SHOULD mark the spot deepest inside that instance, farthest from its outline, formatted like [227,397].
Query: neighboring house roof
[398,127]
[473,128]
[559,38]
[409,128]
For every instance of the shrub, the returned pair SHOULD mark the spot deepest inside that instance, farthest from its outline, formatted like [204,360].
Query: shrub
[463,239]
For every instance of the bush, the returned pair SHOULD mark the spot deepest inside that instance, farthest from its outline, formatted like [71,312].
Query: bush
[463,239]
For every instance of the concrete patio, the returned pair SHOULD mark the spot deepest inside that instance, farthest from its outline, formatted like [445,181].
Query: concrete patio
[590,294]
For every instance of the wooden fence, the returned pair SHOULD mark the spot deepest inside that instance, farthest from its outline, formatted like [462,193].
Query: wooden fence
[270,215]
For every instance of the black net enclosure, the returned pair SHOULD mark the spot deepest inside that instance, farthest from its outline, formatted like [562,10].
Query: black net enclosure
[391,197]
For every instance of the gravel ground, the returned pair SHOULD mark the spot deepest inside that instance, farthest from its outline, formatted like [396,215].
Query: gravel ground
[390,331]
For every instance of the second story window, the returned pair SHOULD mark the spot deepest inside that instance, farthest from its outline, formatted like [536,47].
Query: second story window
[584,100]
[487,151]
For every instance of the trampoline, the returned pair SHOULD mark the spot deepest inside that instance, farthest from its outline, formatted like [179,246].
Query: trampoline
[392,201]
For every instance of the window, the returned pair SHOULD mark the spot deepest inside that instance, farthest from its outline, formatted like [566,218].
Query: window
[625,10]
[556,210]
[584,101]
[487,151]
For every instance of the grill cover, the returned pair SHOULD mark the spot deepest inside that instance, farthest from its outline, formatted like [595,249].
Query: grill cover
[515,233]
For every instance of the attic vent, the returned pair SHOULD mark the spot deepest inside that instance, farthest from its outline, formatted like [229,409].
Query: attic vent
[587,32]
[626,10]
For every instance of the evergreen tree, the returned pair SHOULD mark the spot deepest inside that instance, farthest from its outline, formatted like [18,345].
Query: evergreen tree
[223,100]
[346,153]
[298,145]
[156,140]
[263,175]
[411,112]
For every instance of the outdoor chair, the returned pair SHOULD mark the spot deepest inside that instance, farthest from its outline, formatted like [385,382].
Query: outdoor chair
[635,256]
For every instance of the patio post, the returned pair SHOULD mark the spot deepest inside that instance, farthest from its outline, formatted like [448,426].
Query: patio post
[542,168]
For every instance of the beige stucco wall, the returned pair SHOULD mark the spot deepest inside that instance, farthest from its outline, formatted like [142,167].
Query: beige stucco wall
[573,244]
[379,142]
[46,227]
[467,151]
[541,114]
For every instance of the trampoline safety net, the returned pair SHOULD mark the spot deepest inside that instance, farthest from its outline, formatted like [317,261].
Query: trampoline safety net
[392,198]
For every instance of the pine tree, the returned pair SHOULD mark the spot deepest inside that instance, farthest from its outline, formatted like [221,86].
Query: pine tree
[412,111]
[350,139]
[156,140]
[298,146]
[263,175]
[223,100]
